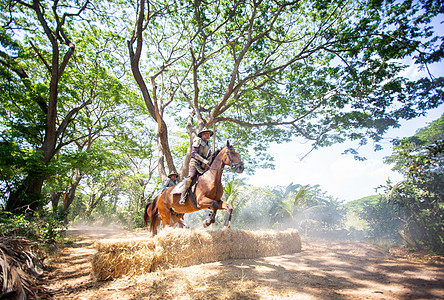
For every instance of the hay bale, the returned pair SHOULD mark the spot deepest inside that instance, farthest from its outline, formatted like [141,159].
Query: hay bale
[182,248]
[116,258]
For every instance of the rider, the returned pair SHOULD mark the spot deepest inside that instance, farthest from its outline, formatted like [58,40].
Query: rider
[171,180]
[200,152]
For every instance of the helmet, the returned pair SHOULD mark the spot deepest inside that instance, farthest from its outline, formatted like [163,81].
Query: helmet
[205,130]
[173,173]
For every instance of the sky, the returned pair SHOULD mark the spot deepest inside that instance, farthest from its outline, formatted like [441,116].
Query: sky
[341,176]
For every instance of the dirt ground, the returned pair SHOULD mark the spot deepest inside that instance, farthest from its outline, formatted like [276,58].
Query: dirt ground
[322,270]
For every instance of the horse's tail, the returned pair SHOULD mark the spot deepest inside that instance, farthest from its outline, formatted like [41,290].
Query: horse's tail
[145,214]
[151,213]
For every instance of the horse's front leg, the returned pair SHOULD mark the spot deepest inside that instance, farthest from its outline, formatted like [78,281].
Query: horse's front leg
[229,209]
[211,204]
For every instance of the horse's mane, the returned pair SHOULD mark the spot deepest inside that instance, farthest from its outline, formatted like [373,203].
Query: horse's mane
[216,153]
[213,156]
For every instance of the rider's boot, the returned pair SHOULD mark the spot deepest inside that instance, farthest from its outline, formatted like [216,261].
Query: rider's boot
[183,196]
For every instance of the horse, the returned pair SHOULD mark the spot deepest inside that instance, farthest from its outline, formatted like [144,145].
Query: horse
[208,192]
[151,213]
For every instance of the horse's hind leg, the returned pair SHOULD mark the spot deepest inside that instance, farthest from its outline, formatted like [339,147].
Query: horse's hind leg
[177,219]
[155,225]
[182,223]
[164,211]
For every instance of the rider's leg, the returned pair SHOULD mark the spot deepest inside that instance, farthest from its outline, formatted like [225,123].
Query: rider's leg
[186,185]
[191,173]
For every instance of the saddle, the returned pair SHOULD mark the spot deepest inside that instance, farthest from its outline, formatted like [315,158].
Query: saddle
[178,187]
[178,190]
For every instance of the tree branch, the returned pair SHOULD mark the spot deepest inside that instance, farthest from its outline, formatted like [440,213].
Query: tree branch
[68,118]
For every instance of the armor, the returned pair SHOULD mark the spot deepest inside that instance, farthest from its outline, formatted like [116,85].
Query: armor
[169,181]
[200,152]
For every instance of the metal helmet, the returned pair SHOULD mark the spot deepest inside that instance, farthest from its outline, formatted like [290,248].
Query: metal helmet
[205,130]
[173,173]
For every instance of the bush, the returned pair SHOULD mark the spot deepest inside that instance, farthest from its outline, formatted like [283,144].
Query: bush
[43,228]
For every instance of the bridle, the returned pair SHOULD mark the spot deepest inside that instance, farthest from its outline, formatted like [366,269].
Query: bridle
[233,165]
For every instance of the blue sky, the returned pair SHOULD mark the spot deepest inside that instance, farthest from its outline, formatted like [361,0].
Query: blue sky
[339,175]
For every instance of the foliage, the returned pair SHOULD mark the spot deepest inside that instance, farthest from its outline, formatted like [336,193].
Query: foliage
[251,208]
[306,207]
[382,219]
[303,207]
[356,211]
[414,207]
[43,227]
[270,71]
[232,195]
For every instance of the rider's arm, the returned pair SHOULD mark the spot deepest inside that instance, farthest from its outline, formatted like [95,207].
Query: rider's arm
[195,150]
[167,184]
[201,159]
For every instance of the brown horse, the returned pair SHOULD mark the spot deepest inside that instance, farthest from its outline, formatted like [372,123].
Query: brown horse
[208,193]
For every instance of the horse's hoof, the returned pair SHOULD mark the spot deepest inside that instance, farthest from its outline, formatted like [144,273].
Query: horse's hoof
[227,225]
[225,229]
[206,223]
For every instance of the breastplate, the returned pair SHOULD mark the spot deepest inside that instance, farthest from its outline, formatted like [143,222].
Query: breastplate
[204,149]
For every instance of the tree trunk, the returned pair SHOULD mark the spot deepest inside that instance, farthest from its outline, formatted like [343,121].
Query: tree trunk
[69,197]
[27,197]
[55,199]
[28,194]
[92,203]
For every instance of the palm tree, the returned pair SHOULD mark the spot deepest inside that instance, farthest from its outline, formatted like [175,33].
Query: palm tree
[232,191]
[290,199]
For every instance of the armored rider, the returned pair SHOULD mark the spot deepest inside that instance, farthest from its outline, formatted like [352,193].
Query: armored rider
[200,152]
[171,180]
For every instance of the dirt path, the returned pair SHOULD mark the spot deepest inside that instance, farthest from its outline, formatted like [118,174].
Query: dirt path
[323,270]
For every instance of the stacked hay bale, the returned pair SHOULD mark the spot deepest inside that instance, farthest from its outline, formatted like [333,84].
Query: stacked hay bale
[116,258]
[182,248]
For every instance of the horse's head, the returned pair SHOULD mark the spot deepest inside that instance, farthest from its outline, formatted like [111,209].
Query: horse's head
[231,158]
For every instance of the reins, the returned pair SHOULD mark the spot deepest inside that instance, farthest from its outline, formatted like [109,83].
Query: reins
[233,165]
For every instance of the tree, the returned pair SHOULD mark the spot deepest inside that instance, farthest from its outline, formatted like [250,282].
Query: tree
[306,207]
[35,15]
[136,151]
[382,219]
[289,199]
[419,198]
[273,70]
[232,195]
[92,79]
[69,98]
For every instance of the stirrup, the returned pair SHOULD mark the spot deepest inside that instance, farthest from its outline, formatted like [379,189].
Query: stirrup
[184,193]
